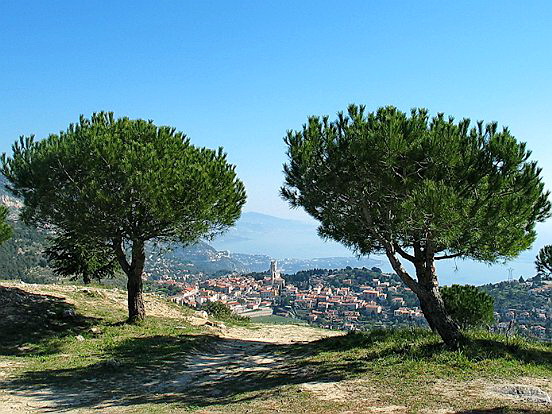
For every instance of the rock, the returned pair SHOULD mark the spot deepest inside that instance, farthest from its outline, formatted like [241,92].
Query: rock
[524,392]
[79,338]
[202,314]
[91,293]
[69,313]
[95,330]
[110,364]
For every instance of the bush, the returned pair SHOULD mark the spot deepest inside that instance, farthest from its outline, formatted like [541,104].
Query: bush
[221,311]
[468,306]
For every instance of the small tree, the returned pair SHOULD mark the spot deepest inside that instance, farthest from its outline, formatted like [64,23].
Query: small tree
[110,185]
[5,229]
[72,255]
[416,189]
[468,306]
[544,261]
[222,311]
[218,310]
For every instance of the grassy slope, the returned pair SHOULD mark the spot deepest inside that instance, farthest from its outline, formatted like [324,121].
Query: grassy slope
[420,371]
[405,368]
[40,336]
[278,320]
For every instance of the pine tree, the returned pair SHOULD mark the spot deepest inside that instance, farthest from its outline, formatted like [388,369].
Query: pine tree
[114,184]
[6,230]
[544,261]
[418,189]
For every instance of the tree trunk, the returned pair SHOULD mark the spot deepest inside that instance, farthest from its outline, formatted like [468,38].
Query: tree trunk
[427,291]
[439,321]
[134,270]
[433,307]
[136,309]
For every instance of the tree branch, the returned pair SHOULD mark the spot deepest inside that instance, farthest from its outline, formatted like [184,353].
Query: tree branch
[448,256]
[390,253]
[121,256]
[403,254]
[401,271]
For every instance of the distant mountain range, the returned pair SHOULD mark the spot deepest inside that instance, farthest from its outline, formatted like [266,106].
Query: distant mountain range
[202,257]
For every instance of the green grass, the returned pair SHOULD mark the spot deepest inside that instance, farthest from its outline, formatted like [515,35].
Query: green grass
[147,343]
[278,320]
[414,353]
[42,338]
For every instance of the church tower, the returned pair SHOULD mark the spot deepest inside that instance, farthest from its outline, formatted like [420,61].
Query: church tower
[275,277]
[274,272]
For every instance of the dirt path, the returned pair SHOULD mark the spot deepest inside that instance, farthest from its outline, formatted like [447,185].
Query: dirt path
[236,360]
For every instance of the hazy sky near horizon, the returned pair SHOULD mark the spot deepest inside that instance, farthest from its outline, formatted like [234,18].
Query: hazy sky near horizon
[238,74]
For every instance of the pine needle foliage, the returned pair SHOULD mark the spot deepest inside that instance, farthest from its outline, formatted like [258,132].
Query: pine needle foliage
[544,261]
[78,257]
[471,191]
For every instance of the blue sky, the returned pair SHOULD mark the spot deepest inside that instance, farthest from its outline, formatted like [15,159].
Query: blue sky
[241,73]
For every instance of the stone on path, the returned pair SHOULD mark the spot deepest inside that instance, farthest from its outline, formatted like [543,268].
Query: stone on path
[523,392]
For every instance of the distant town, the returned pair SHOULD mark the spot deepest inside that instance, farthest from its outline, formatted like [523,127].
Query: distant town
[334,308]
[346,299]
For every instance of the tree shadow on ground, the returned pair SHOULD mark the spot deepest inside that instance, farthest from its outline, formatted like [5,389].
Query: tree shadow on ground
[28,319]
[192,370]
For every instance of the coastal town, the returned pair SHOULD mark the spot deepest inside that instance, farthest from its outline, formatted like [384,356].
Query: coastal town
[346,307]
[345,299]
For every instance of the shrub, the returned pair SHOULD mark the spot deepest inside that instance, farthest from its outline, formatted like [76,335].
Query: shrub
[468,306]
[223,312]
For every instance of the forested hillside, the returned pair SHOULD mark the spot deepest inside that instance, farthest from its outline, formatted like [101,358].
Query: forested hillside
[21,256]
[523,306]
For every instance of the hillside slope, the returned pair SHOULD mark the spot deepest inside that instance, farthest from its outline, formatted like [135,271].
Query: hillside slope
[64,348]
[21,256]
